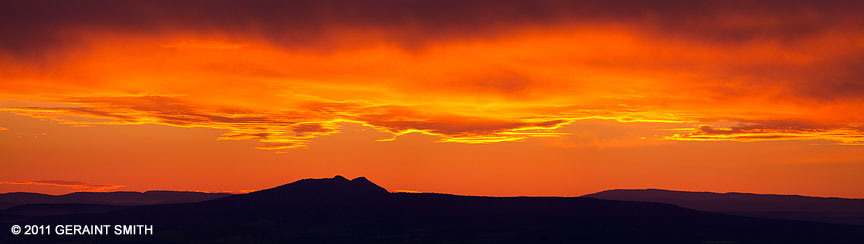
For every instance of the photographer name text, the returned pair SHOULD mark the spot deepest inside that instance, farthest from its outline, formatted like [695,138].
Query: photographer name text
[83,230]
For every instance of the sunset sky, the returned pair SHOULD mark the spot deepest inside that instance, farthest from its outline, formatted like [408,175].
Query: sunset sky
[497,98]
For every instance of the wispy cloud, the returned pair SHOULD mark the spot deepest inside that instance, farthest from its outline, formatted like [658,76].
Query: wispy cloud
[289,129]
[76,185]
[846,134]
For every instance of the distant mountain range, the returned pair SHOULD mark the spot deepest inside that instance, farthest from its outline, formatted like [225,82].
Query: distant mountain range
[122,198]
[18,206]
[820,209]
[338,210]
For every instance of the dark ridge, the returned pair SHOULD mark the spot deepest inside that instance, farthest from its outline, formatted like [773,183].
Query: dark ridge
[22,194]
[337,184]
[8,200]
[333,189]
[337,210]
[125,198]
[795,207]
[59,208]
[363,183]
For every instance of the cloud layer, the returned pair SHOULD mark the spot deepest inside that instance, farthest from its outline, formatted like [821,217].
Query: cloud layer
[75,185]
[283,73]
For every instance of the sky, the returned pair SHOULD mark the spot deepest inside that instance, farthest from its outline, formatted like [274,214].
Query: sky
[500,98]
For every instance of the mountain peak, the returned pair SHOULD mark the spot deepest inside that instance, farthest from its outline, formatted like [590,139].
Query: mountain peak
[360,179]
[362,182]
[338,186]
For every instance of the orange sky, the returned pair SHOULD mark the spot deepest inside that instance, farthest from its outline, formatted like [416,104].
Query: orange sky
[484,98]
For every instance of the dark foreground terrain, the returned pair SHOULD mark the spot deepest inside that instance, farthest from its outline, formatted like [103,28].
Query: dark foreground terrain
[338,210]
[18,206]
[119,198]
[817,209]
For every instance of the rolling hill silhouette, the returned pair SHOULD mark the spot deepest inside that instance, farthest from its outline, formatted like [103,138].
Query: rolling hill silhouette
[122,198]
[820,209]
[18,206]
[338,210]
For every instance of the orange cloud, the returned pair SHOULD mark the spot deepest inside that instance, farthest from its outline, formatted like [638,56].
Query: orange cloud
[522,71]
[291,129]
[77,185]
[775,130]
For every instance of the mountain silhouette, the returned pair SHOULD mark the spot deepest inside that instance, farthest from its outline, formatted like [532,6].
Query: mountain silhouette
[18,206]
[821,209]
[27,211]
[123,198]
[338,210]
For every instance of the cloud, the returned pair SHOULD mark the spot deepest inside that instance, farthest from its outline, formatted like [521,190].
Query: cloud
[30,26]
[285,73]
[76,185]
[280,146]
[769,130]
[289,129]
